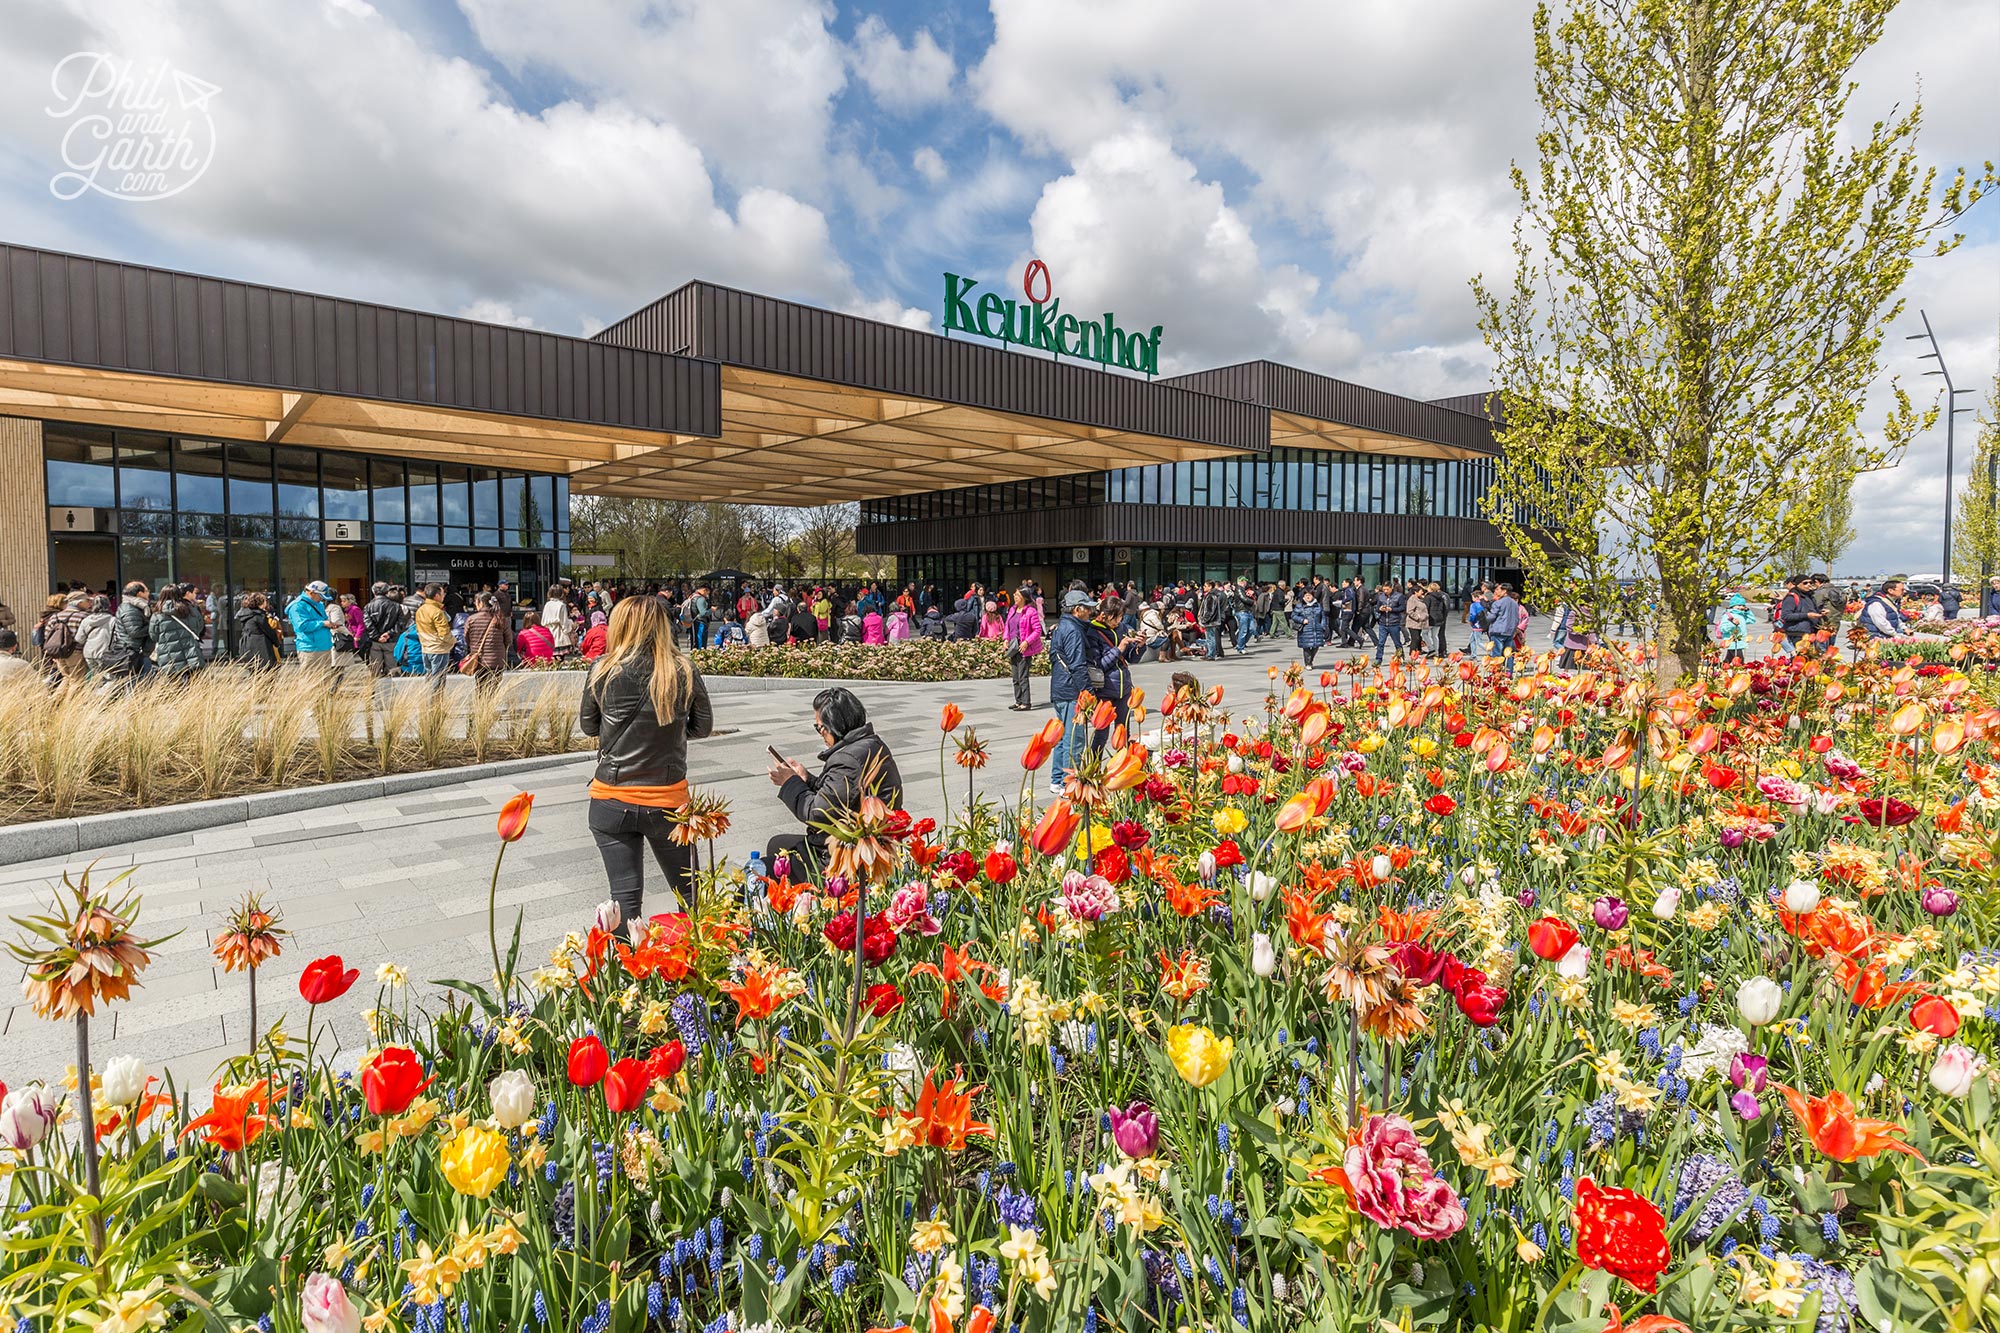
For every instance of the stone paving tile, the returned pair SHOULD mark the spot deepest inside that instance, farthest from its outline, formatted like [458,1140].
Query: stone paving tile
[304,834]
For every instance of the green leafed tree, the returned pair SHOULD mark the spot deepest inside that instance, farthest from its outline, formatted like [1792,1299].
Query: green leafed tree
[1827,531]
[1975,532]
[1706,261]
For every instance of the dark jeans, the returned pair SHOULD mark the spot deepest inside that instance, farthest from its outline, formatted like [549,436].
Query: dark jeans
[623,832]
[1309,653]
[799,847]
[1386,634]
[1021,663]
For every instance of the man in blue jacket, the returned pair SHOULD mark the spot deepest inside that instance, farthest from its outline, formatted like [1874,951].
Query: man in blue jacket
[312,635]
[1503,620]
[1069,676]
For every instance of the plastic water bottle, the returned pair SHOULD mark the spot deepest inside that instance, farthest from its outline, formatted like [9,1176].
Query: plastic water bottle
[753,880]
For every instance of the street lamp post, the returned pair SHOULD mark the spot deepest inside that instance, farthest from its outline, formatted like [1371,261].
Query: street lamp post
[1951,411]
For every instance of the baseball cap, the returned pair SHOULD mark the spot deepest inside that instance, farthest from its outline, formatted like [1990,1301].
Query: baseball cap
[1076,597]
[319,586]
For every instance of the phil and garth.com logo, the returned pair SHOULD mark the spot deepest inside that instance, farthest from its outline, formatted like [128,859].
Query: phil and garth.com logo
[132,132]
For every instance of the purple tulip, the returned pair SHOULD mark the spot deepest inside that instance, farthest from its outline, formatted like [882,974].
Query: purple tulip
[1732,837]
[1526,898]
[1136,1130]
[1748,1071]
[1610,913]
[1939,901]
[781,867]
[1746,1106]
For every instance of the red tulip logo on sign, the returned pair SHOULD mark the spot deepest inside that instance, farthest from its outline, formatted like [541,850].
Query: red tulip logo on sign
[1036,269]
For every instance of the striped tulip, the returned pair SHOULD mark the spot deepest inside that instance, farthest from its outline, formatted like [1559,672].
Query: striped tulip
[1294,814]
[1102,716]
[1907,719]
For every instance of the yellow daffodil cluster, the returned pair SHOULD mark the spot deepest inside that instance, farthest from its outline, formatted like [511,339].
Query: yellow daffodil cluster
[1777,1283]
[1632,1096]
[434,1273]
[132,1311]
[475,1160]
[1023,1250]
[1470,1139]
[405,1126]
[1036,1011]
[1635,1016]
[1127,1204]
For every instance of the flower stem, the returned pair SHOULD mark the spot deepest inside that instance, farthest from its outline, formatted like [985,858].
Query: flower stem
[493,924]
[87,1133]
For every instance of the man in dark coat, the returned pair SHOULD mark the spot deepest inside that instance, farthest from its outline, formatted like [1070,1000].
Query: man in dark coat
[856,763]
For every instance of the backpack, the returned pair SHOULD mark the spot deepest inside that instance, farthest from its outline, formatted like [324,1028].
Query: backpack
[59,637]
[97,642]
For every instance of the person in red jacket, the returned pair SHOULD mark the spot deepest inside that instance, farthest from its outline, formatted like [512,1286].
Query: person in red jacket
[593,638]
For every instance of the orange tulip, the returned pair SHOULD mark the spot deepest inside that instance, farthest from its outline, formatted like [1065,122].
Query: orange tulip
[1946,737]
[1135,700]
[1834,1129]
[1496,757]
[1102,716]
[1042,744]
[1293,814]
[1705,738]
[1296,703]
[1119,736]
[950,717]
[1055,828]
[1545,739]
[1126,770]
[1645,1323]
[514,816]
[234,1120]
[1619,751]
[1739,683]
[1320,789]
[1907,719]
[1834,692]
[1315,726]
[1215,697]
[1398,710]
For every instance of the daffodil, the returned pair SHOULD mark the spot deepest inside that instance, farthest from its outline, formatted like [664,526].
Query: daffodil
[1198,1055]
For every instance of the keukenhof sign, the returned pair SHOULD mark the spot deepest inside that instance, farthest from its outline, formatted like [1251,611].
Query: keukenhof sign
[1040,322]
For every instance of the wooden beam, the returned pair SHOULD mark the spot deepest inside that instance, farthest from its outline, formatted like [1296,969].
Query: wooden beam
[296,405]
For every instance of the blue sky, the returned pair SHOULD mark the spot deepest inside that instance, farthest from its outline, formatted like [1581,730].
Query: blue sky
[1299,179]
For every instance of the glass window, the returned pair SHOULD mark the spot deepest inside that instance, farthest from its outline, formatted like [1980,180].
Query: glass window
[513,486]
[423,534]
[198,477]
[298,555]
[486,499]
[456,489]
[200,559]
[252,563]
[423,493]
[145,470]
[539,516]
[562,503]
[145,546]
[345,479]
[385,479]
[392,564]
[456,536]
[1183,483]
[250,479]
[298,482]
[79,462]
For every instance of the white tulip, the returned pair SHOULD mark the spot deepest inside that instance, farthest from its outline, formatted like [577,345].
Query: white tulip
[512,1094]
[1469,876]
[26,1115]
[1235,763]
[123,1080]
[1667,903]
[1954,1071]
[1262,886]
[1574,964]
[1263,958]
[608,916]
[1801,896]
[1382,866]
[1758,1000]
[1206,865]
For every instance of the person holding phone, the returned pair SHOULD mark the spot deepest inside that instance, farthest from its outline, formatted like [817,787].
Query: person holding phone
[855,763]
[643,701]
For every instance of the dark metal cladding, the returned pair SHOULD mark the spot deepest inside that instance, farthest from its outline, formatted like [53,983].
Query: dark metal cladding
[763,333]
[77,311]
[1183,525]
[1323,398]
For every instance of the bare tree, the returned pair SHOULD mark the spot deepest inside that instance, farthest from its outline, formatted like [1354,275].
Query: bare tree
[826,535]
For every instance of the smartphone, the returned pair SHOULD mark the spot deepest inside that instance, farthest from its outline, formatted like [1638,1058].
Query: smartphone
[775,755]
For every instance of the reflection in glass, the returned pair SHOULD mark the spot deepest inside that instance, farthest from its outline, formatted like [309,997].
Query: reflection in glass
[145,470]
[198,476]
[385,478]
[344,477]
[298,483]
[249,479]
[79,466]
[457,497]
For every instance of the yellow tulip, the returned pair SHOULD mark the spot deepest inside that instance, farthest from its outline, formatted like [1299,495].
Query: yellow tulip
[475,1161]
[1199,1056]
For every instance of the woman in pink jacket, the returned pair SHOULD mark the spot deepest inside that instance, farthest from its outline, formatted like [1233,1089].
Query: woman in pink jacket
[871,627]
[1023,629]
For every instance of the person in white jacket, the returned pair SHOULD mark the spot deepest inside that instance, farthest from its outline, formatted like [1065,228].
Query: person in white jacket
[556,619]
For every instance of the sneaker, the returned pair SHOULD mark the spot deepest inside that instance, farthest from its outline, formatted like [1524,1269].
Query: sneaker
[1055,789]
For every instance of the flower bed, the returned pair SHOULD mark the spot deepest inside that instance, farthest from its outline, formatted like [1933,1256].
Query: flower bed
[912,660]
[1476,1003]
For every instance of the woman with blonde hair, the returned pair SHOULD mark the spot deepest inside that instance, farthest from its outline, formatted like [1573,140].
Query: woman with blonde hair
[642,700]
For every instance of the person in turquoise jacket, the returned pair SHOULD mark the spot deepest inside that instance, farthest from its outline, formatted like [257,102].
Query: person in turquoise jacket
[312,634]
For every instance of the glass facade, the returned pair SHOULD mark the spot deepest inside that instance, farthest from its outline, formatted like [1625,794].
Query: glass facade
[1160,566]
[1315,479]
[233,518]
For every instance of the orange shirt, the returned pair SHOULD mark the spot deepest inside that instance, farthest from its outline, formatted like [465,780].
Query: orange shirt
[674,796]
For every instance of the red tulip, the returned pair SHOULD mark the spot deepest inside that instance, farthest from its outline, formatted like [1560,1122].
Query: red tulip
[1481,1002]
[1042,744]
[1551,937]
[625,1085]
[1001,866]
[392,1081]
[665,1061]
[1935,1015]
[882,999]
[1440,803]
[326,979]
[514,817]
[587,1061]
[1056,827]
[950,717]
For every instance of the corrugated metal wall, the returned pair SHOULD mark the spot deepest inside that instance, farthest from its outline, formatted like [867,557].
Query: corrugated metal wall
[1185,525]
[744,329]
[94,312]
[1323,398]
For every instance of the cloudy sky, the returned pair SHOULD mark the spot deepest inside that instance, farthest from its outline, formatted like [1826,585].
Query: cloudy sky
[1301,179]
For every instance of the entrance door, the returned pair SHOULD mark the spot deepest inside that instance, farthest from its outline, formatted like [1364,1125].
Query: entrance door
[347,569]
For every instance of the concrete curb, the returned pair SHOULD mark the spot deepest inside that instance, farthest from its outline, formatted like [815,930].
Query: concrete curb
[82,833]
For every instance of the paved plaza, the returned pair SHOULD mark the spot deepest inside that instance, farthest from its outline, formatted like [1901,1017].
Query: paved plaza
[403,879]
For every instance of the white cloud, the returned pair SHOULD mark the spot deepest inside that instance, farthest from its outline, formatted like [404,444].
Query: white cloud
[1134,229]
[929,164]
[496,312]
[901,78]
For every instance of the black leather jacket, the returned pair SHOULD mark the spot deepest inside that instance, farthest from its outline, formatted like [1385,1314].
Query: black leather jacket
[634,749]
[382,620]
[836,790]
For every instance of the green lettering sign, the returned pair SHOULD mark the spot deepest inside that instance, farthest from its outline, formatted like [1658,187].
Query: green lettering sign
[1042,325]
